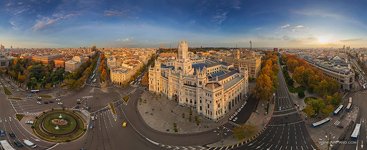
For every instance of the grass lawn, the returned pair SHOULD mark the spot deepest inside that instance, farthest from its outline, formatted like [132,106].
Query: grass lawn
[126,98]
[44,96]
[73,130]
[50,127]
[15,98]
[19,116]
[7,91]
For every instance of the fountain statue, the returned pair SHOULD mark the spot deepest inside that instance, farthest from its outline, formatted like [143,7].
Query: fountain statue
[60,117]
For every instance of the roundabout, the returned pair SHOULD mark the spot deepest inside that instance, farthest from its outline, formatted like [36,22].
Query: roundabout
[59,125]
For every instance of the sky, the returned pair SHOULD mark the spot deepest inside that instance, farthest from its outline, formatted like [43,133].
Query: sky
[163,23]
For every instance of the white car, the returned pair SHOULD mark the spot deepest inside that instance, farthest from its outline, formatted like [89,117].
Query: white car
[39,102]
[59,103]
[29,122]
[57,99]
[29,143]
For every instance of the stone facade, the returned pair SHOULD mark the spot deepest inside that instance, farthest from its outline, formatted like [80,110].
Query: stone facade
[212,88]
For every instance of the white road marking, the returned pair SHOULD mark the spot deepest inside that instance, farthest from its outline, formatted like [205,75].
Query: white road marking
[110,119]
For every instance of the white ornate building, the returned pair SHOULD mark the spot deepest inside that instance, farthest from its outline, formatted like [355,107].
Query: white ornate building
[212,88]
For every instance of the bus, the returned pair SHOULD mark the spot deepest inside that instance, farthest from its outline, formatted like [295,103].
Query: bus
[350,100]
[5,145]
[349,106]
[321,122]
[34,91]
[337,110]
[355,132]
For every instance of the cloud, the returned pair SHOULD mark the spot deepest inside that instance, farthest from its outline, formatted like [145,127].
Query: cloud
[318,13]
[299,26]
[293,28]
[258,28]
[116,12]
[128,39]
[48,21]
[352,40]
[219,17]
[285,26]
[13,25]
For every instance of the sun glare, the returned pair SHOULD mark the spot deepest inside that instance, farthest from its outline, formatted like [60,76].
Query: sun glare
[323,40]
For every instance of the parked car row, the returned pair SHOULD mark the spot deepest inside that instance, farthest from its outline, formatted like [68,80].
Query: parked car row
[16,141]
[233,117]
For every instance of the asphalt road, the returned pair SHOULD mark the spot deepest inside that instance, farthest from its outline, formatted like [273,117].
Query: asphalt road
[286,130]
[359,100]
[9,124]
[107,132]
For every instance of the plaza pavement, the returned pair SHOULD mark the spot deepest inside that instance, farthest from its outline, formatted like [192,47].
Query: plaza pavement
[160,113]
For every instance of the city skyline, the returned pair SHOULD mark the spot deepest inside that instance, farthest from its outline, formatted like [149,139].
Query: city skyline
[79,23]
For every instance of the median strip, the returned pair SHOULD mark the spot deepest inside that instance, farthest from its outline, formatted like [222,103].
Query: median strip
[112,108]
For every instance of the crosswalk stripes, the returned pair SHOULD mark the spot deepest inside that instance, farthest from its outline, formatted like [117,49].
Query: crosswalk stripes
[32,114]
[183,147]
[337,122]
[6,119]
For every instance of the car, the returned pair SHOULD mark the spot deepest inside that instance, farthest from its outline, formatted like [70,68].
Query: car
[29,122]
[78,100]
[2,133]
[59,103]
[78,103]
[39,102]
[57,99]
[45,102]
[235,119]
[29,143]
[17,143]
[124,124]
[12,135]
[39,97]
[91,126]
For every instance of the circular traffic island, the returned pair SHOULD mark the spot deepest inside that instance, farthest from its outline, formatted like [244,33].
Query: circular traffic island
[59,126]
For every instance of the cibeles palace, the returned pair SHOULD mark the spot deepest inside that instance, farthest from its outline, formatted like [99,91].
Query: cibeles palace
[210,87]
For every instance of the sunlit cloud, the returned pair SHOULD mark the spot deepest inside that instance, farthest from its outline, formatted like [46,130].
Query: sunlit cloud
[45,22]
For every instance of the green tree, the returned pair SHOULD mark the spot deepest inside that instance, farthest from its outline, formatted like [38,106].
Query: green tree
[309,111]
[328,109]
